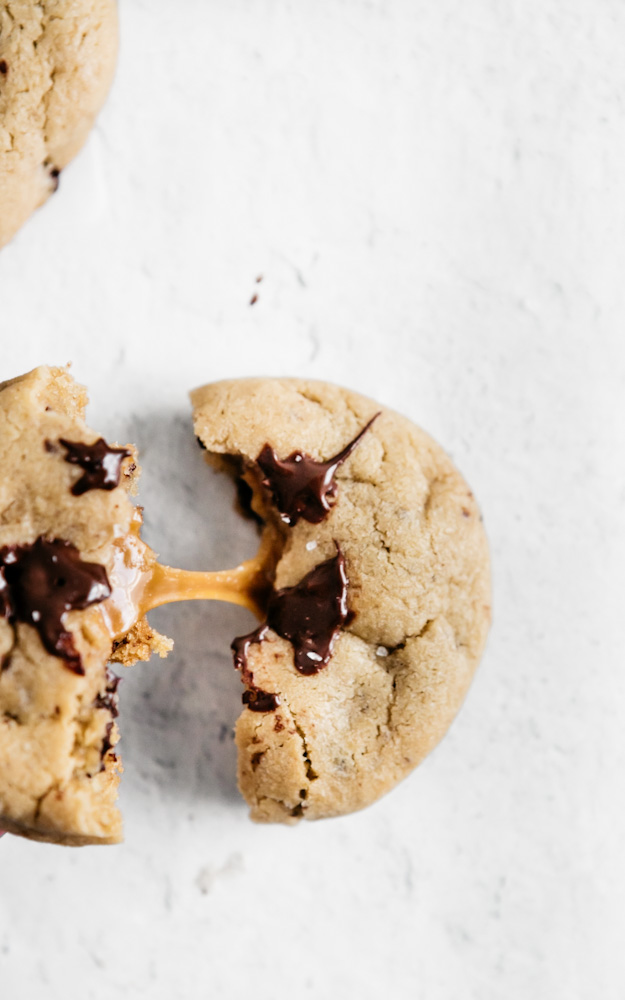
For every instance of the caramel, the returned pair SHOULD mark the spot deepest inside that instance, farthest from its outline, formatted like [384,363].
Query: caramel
[139,584]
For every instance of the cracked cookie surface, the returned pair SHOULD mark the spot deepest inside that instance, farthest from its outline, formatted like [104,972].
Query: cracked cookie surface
[59,774]
[57,59]
[419,590]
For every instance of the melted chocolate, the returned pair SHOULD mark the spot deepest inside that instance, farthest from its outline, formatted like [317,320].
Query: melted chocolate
[300,485]
[311,613]
[255,699]
[39,583]
[102,464]
[309,616]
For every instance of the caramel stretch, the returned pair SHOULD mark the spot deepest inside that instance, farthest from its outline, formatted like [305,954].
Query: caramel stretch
[139,583]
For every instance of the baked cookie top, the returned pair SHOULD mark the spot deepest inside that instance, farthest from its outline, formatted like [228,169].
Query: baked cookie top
[407,530]
[57,59]
[66,521]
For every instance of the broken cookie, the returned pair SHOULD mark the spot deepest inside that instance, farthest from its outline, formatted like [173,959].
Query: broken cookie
[63,554]
[381,602]
[57,59]
[371,583]
[76,581]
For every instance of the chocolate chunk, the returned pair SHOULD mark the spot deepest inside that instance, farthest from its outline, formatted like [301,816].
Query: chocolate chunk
[102,464]
[300,485]
[39,583]
[106,742]
[260,701]
[109,699]
[309,616]
[245,495]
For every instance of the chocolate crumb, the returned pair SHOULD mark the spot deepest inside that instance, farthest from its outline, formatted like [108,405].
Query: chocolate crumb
[4,69]
[55,173]
[254,299]
[465,512]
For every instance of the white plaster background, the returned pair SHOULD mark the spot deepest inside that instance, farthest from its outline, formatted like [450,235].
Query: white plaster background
[433,193]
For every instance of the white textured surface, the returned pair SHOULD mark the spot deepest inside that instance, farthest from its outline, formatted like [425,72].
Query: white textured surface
[433,193]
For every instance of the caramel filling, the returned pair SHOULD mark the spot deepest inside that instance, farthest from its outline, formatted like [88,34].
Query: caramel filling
[139,583]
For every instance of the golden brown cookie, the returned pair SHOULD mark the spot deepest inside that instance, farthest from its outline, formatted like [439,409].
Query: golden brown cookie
[390,516]
[68,533]
[57,59]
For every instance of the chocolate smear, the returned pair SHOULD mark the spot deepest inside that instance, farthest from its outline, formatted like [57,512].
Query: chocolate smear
[39,583]
[300,485]
[309,615]
[101,463]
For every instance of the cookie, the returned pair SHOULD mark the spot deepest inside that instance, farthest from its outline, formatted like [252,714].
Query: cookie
[381,603]
[57,59]
[70,556]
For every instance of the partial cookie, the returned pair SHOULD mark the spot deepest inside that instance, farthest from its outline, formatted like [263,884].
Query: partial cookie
[382,537]
[68,534]
[57,59]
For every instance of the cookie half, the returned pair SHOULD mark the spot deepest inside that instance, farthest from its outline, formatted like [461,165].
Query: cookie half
[68,533]
[396,518]
[57,59]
